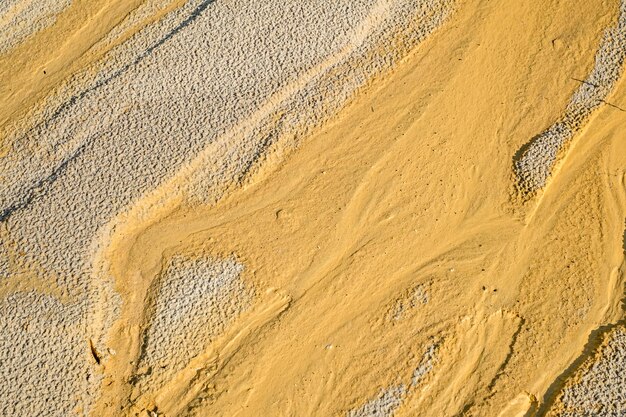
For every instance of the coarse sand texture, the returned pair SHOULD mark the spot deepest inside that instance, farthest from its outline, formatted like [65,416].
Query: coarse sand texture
[349,208]
[536,160]
[599,388]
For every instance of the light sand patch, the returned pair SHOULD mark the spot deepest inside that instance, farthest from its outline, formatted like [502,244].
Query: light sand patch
[41,352]
[415,297]
[384,405]
[391,398]
[190,386]
[183,143]
[20,19]
[598,388]
[195,301]
[536,161]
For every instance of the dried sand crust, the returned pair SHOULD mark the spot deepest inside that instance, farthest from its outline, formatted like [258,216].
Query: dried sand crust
[209,208]
[598,388]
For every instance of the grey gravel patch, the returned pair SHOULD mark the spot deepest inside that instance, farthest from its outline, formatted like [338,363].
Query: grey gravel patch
[534,163]
[383,406]
[599,388]
[426,365]
[4,261]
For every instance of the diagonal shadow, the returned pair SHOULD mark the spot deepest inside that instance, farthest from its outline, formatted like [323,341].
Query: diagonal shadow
[39,188]
[595,340]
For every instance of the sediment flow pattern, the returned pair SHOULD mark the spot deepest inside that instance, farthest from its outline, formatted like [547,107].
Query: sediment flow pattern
[312,208]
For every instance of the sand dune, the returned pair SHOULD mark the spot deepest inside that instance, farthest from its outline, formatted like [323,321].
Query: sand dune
[312,208]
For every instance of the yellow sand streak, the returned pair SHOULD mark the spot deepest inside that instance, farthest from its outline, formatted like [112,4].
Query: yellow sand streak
[409,185]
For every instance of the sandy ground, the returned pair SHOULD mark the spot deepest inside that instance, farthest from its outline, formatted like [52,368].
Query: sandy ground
[360,208]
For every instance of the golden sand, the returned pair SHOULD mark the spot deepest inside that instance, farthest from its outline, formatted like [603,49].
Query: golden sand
[411,185]
[409,190]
